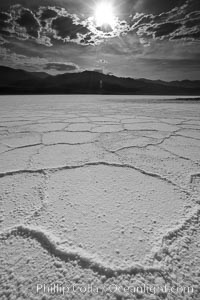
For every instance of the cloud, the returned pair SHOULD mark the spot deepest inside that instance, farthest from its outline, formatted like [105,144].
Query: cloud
[35,64]
[68,28]
[4,17]
[48,25]
[193,5]
[28,21]
[5,26]
[61,67]
[157,6]
[52,25]
[3,41]
[179,23]
[164,29]
[191,35]
[192,22]
[102,61]
[46,13]
[19,61]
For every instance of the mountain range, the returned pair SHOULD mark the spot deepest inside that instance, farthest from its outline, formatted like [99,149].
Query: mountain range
[14,81]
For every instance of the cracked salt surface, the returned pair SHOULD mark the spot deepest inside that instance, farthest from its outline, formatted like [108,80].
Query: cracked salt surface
[98,190]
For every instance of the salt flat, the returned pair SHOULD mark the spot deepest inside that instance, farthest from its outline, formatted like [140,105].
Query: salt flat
[101,191]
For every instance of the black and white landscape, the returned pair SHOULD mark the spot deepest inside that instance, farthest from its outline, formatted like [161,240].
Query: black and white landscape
[99,150]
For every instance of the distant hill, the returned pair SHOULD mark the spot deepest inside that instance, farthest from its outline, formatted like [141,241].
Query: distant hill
[15,81]
[11,76]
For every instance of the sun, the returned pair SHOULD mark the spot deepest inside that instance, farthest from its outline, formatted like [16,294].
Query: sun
[104,15]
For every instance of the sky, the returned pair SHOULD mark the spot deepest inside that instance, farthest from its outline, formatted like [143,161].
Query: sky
[153,39]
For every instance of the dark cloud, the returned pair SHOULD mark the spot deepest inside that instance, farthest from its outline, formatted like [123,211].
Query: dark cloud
[47,13]
[195,14]
[165,29]
[143,19]
[157,6]
[28,21]
[61,67]
[176,24]
[5,26]
[193,5]
[4,16]
[105,28]
[66,28]
[192,23]
[194,35]
[44,25]
[126,8]
[87,40]
[6,4]
[2,41]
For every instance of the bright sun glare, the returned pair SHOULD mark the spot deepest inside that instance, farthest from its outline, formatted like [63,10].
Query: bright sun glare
[104,15]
